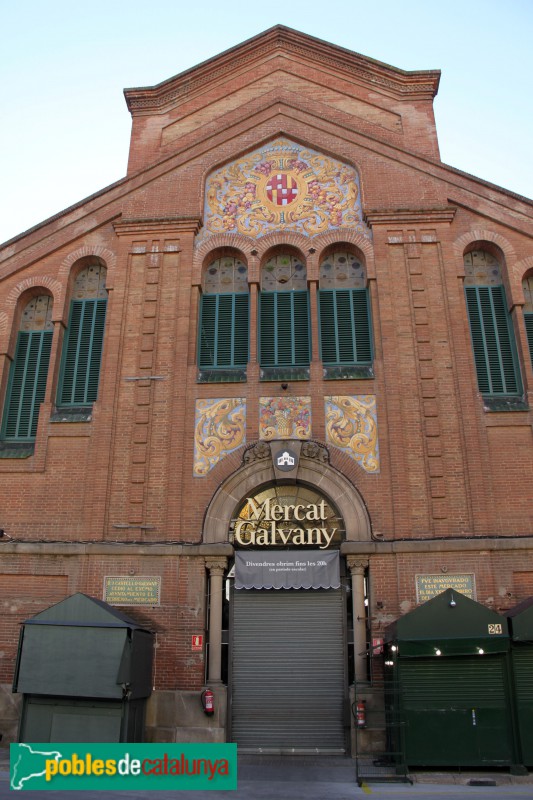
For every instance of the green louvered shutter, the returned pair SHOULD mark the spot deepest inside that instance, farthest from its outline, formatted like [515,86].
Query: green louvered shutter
[27,384]
[492,341]
[344,326]
[82,353]
[224,323]
[528,319]
[284,334]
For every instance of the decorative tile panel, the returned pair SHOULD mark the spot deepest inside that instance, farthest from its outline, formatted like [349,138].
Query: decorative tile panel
[219,429]
[283,187]
[352,426]
[284,418]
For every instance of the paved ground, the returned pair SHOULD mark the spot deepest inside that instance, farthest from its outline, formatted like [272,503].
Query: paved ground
[307,778]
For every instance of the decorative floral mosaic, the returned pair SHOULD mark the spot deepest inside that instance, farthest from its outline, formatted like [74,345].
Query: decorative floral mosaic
[220,427]
[352,426]
[283,186]
[284,418]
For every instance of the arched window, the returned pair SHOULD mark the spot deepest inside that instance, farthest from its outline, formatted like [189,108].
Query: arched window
[223,331]
[527,285]
[490,326]
[82,349]
[29,371]
[344,314]
[284,331]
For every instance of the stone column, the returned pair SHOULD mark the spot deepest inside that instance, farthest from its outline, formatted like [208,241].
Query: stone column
[357,567]
[216,569]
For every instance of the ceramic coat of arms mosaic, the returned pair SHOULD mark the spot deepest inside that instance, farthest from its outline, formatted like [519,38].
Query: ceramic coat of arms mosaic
[284,418]
[352,426]
[220,427]
[283,186]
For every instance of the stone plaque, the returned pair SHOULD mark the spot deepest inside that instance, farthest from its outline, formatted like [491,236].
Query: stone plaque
[428,586]
[126,590]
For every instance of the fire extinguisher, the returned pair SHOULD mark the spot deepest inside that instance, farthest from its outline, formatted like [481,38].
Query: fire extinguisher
[208,701]
[360,713]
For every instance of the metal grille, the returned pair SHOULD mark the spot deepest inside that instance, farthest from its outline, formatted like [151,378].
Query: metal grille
[288,675]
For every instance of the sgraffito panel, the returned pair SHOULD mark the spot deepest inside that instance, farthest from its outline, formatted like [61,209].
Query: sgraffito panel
[219,429]
[283,186]
[352,426]
[284,418]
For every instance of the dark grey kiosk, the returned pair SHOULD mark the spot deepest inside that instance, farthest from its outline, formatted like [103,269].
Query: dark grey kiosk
[85,671]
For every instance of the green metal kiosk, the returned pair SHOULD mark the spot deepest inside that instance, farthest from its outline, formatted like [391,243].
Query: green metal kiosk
[85,671]
[450,677]
[521,626]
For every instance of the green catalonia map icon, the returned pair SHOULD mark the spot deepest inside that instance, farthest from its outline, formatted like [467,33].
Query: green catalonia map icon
[27,763]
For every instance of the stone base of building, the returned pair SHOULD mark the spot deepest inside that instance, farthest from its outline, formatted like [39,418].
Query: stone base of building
[178,716]
[10,705]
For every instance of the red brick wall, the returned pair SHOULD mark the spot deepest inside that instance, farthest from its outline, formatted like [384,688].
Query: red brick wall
[448,468]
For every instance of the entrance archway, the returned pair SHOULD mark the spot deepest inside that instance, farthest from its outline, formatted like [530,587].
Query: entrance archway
[299,632]
[313,468]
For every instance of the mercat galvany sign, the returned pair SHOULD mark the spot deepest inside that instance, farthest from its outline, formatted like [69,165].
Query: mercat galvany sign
[272,524]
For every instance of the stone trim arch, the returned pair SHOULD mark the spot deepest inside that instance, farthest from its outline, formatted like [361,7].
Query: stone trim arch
[314,469]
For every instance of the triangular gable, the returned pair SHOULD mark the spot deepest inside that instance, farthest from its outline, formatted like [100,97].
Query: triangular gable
[449,624]
[282,63]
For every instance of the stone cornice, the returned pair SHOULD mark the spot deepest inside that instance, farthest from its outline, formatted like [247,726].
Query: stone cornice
[360,549]
[166,225]
[213,550]
[402,216]
[281,39]
[458,545]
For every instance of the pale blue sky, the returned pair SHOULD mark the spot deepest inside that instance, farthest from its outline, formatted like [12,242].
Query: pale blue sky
[65,126]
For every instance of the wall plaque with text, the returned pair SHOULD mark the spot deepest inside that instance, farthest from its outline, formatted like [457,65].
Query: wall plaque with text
[126,590]
[428,586]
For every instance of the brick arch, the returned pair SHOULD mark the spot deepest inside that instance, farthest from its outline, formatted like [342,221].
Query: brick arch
[37,281]
[236,241]
[282,239]
[106,255]
[519,272]
[315,472]
[510,275]
[325,240]
[482,235]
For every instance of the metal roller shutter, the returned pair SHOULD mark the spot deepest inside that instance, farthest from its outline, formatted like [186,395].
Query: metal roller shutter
[523,676]
[455,711]
[288,670]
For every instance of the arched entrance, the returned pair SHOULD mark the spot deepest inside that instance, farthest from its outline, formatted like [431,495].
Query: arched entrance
[288,514]
[288,660]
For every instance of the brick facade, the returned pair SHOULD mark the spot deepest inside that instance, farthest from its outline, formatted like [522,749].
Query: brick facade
[114,493]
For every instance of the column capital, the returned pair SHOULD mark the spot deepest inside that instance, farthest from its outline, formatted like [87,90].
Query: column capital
[357,565]
[216,566]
